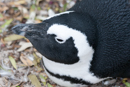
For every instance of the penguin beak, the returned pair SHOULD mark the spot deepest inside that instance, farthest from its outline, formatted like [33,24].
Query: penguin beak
[21,29]
[30,30]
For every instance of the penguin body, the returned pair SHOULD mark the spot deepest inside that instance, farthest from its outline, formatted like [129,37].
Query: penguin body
[84,45]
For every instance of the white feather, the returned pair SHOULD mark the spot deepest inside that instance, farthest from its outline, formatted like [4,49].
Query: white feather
[66,12]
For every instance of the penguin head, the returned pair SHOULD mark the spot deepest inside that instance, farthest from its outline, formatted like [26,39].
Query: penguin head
[64,38]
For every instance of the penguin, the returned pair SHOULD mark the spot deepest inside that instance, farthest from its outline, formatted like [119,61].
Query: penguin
[84,45]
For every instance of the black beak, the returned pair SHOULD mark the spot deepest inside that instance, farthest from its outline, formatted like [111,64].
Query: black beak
[21,29]
[30,30]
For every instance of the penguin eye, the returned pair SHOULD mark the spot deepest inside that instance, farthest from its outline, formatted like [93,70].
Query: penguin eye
[59,40]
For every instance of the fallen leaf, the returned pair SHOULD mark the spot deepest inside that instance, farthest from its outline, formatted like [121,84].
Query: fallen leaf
[0,30]
[51,13]
[4,8]
[65,7]
[19,18]
[31,17]
[38,21]
[24,46]
[13,62]
[32,14]
[43,79]
[126,83]
[39,69]
[2,40]
[37,2]
[9,43]
[19,2]
[49,85]
[1,16]
[23,9]
[41,17]
[109,82]
[27,40]
[26,61]
[36,58]
[6,23]
[16,85]
[34,80]
[13,37]
[38,54]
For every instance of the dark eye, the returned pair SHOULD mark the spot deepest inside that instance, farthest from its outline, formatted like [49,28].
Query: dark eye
[59,40]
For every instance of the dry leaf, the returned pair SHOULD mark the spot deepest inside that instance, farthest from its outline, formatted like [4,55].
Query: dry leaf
[109,82]
[6,24]
[31,17]
[0,30]
[19,2]
[36,58]
[38,54]
[13,37]
[37,2]
[23,9]
[38,21]
[1,15]
[51,13]
[34,80]
[125,82]
[39,69]
[9,43]
[24,46]
[43,79]
[32,14]
[2,41]
[26,61]
[13,62]
[49,85]
[16,85]
[4,8]
[41,17]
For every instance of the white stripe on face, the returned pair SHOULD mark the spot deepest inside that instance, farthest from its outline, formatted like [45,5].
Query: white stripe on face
[66,12]
[80,39]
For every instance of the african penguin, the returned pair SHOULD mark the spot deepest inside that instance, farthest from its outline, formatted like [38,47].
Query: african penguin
[84,45]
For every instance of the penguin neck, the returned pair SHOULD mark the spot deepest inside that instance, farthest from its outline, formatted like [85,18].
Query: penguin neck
[79,70]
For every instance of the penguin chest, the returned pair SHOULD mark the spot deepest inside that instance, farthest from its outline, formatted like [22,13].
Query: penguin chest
[75,75]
